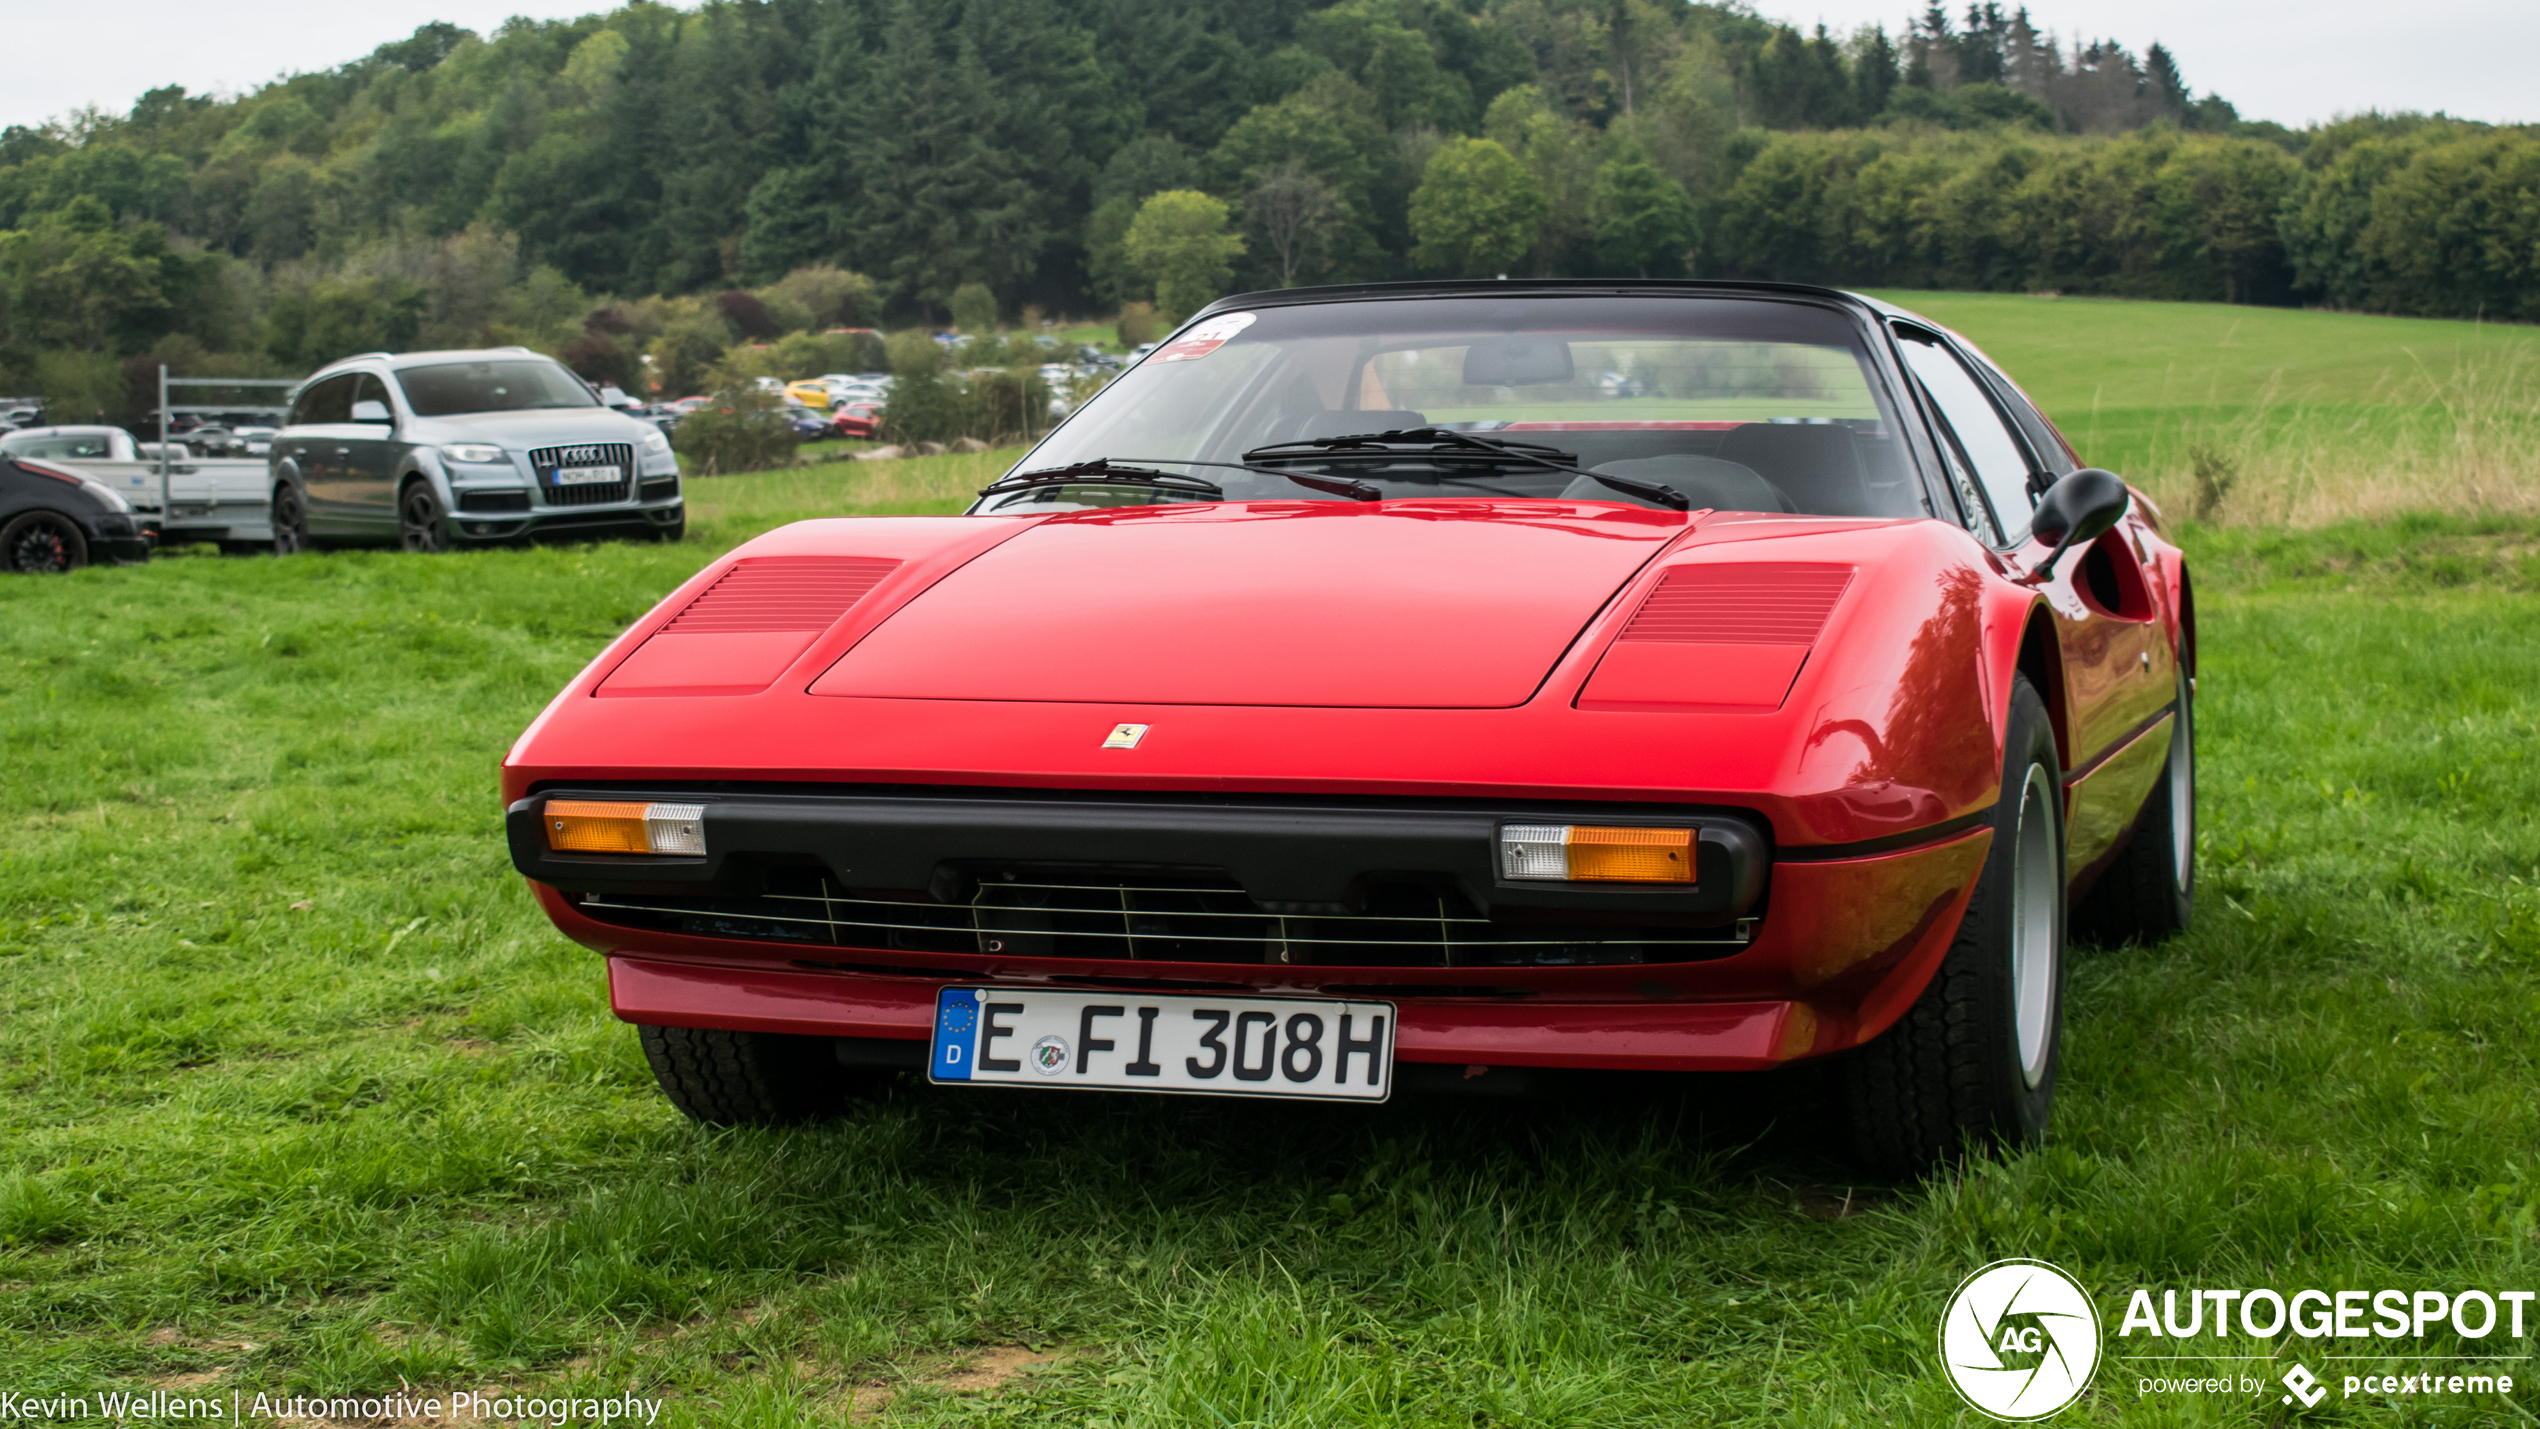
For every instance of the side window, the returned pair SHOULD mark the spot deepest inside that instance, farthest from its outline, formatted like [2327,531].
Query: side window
[328,401]
[2042,437]
[2000,463]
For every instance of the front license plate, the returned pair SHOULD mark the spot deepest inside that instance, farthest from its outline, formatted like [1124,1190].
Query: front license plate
[1222,1046]
[588,475]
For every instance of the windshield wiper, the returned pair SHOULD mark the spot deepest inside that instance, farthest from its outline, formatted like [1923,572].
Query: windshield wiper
[1106,469]
[1101,472]
[1419,441]
[1441,441]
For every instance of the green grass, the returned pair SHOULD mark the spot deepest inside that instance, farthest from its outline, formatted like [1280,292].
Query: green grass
[303,1094]
[2365,415]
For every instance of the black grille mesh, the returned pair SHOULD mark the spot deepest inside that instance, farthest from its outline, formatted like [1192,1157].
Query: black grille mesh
[545,460]
[1156,918]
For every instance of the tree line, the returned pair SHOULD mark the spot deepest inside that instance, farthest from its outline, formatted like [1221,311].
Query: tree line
[652,182]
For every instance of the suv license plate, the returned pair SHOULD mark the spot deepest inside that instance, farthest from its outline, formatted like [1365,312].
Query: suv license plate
[1220,1046]
[588,475]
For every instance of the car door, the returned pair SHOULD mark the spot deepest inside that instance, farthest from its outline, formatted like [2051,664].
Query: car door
[316,444]
[370,456]
[2116,668]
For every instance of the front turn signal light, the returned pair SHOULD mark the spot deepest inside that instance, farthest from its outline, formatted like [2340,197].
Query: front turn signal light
[592,826]
[1590,853]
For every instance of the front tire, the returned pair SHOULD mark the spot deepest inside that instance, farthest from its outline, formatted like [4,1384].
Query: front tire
[726,1078]
[1972,1064]
[2148,892]
[43,542]
[422,527]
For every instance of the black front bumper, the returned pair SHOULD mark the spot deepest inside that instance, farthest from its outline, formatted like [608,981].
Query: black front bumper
[1288,856]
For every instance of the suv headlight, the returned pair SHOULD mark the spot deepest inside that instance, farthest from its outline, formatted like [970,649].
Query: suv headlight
[655,443]
[472,452]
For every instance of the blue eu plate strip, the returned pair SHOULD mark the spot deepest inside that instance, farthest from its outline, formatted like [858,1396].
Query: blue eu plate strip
[956,1032]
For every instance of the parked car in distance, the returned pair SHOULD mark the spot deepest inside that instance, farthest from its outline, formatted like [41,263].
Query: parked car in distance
[856,419]
[808,424]
[437,449]
[212,439]
[72,443]
[254,441]
[810,393]
[52,519]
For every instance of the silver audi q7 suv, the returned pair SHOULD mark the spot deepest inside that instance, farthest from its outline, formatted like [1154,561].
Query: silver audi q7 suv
[436,449]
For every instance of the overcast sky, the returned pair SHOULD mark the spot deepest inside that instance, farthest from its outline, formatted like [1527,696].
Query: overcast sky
[2288,62]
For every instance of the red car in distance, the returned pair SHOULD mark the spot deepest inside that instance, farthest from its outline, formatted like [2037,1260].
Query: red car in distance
[1367,689]
[857,419]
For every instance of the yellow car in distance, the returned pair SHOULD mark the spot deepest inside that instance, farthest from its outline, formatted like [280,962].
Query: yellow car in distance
[814,395]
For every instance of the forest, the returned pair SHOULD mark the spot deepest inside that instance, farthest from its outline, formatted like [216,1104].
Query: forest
[644,191]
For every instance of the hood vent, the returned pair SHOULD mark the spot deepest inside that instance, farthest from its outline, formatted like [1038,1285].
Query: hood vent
[1760,604]
[740,633]
[770,593]
[1726,637]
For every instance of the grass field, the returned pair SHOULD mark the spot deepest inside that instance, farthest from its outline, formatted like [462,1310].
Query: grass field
[2286,416]
[303,1095]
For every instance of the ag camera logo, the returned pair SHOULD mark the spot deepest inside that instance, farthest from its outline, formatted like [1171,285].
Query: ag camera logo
[2020,1340]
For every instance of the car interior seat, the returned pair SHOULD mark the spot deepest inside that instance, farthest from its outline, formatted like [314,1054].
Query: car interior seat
[1815,464]
[1315,425]
[1707,482]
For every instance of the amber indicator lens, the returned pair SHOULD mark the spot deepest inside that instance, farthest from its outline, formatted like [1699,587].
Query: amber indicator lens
[1591,853]
[594,826]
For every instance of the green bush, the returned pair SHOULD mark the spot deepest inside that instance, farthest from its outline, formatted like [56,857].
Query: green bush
[991,404]
[1139,324]
[974,309]
[743,429]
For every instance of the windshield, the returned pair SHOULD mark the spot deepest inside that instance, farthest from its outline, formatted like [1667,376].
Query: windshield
[521,384]
[1734,404]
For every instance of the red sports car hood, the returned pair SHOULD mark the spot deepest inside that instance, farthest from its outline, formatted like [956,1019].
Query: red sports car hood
[1437,605]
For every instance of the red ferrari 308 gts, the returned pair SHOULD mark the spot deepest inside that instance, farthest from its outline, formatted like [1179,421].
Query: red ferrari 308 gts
[1402,681]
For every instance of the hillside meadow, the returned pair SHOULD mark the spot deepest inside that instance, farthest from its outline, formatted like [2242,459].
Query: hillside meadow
[2274,416]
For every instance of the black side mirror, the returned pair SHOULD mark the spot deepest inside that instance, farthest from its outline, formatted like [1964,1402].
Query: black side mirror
[2079,508]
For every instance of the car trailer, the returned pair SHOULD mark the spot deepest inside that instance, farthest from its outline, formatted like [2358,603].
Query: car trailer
[227,500]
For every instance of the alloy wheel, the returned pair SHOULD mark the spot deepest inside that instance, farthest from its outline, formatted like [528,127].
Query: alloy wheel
[43,543]
[2036,885]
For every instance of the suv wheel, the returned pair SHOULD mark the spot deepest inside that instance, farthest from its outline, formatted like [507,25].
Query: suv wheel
[290,521]
[421,525]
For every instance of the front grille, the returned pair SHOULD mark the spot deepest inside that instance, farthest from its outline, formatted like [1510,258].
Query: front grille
[493,501]
[1158,918]
[545,460]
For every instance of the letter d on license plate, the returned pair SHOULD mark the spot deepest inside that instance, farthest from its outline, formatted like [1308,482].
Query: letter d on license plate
[1120,1041]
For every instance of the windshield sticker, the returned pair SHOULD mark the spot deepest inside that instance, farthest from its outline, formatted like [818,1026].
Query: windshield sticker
[1205,338]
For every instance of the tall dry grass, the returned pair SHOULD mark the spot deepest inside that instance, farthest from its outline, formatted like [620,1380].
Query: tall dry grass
[2462,439]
